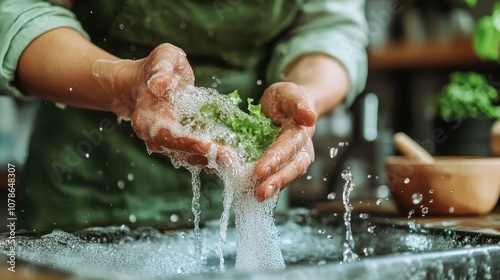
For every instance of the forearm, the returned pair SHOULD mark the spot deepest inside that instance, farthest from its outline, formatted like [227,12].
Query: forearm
[62,66]
[324,78]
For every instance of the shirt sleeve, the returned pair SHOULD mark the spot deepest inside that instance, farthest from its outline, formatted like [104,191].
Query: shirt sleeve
[21,21]
[336,28]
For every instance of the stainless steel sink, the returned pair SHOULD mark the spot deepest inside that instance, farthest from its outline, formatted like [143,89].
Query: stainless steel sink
[312,245]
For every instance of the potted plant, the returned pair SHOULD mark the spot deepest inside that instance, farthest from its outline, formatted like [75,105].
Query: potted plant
[467,106]
[465,111]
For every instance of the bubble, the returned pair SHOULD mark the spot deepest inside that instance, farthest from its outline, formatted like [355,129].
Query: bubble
[259,82]
[364,216]
[431,191]
[371,229]
[120,184]
[174,218]
[132,218]
[333,152]
[425,210]
[180,270]
[406,181]
[331,196]
[132,164]
[368,251]
[379,201]
[321,231]
[416,198]
[121,26]
[452,190]
[451,210]
[147,19]
[130,177]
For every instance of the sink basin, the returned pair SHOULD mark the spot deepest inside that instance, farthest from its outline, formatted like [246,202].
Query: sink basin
[312,245]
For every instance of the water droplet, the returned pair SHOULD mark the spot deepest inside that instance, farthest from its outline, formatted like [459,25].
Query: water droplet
[333,152]
[321,231]
[147,19]
[321,262]
[411,213]
[331,196]
[325,179]
[174,218]
[99,172]
[416,198]
[130,177]
[180,270]
[364,216]
[452,190]
[329,236]
[259,82]
[132,218]
[341,144]
[368,251]
[370,229]
[309,177]
[431,200]
[431,191]
[70,89]
[121,26]
[100,128]
[369,176]
[425,210]
[451,210]
[407,181]
[121,184]
[87,155]
[182,25]
[132,163]
[379,201]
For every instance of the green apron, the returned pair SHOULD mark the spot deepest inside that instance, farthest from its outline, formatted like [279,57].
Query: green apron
[85,169]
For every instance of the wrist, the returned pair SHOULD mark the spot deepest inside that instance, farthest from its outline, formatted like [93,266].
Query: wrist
[116,80]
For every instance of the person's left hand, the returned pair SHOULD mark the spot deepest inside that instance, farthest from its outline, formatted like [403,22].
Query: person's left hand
[291,154]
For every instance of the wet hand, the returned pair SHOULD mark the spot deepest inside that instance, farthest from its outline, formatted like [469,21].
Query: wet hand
[291,154]
[164,71]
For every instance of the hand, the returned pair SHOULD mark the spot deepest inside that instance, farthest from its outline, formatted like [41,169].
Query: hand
[291,154]
[164,71]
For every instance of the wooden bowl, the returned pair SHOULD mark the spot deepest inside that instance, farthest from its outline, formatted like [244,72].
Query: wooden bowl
[449,186]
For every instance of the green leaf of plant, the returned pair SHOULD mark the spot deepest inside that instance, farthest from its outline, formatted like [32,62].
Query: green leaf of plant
[470,3]
[486,39]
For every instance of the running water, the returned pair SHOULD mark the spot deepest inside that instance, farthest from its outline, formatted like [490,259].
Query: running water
[257,236]
[349,255]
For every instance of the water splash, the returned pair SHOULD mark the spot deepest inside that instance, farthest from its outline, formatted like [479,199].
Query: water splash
[348,254]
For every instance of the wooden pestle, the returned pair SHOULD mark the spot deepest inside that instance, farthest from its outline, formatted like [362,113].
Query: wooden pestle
[411,149]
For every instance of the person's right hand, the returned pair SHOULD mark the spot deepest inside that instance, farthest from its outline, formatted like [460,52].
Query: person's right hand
[164,71]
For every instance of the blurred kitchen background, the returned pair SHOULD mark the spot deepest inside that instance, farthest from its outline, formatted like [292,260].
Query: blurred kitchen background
[414,47]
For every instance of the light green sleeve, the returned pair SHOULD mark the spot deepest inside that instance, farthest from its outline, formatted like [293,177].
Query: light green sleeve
[337,28]
[21,21]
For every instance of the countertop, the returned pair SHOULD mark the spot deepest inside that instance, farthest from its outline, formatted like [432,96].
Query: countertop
[387,213]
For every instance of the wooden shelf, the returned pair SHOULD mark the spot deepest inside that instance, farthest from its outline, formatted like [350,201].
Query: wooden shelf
[399,55]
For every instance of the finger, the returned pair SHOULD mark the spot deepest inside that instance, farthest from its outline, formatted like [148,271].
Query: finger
[296,106]
[166,139]
[294,169]
[291,141]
